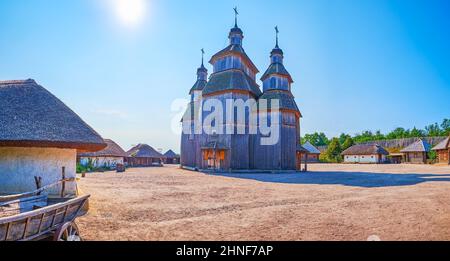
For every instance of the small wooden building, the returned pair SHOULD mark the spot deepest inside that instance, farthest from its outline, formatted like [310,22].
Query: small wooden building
[365,153]
[144,155]
[396,158]
[313,152]
[39,137]
[416,152]
[443,151]
[301,155]
[171,157]
[107,158]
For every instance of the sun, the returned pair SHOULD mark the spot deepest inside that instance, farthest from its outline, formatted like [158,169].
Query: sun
[130,12]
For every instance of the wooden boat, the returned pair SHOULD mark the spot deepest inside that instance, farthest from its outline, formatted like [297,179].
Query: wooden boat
[31,216]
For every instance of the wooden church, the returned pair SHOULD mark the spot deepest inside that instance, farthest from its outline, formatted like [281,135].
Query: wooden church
[234,78]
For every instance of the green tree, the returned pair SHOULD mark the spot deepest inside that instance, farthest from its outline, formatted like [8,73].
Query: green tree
[333,153]
[398,133]
[366,136]
[416,133]
[433,130]
[445,125]
[343,138]
[378,136]
[347,143]
[316,139]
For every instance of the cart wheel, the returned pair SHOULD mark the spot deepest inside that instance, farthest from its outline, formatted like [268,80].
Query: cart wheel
[68,232]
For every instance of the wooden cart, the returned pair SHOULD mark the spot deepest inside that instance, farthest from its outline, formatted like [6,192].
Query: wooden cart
[32,216]
[57,220]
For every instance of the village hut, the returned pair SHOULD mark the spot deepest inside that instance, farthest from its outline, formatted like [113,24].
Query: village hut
[108,158]
[365,153]
[39,137]
[171,157]
[443,151]
[144,155]
[416,152]
[313,152]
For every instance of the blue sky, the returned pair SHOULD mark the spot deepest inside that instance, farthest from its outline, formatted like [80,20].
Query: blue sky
[357,65]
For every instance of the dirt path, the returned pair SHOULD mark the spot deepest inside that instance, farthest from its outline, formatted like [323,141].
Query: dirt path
[332,202]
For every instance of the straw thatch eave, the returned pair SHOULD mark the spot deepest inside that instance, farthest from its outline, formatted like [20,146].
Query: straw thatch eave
[30,116]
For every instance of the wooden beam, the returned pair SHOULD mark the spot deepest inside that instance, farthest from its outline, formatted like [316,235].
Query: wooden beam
[63,185]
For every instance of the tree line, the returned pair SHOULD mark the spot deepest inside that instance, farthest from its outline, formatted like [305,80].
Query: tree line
[336,145]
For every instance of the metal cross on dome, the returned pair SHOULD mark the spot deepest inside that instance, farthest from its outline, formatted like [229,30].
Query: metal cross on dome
[236,13]
[203,54]
[277,32]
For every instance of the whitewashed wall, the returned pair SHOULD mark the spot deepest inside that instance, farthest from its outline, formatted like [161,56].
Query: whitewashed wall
[362,158]
[100,162]
[19,166]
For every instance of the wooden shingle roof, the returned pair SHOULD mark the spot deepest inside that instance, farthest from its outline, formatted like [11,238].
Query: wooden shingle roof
[285,98]
[418,146]
[277,69]
[443,145]
[236,49]
[311,148]
[233,79]
[30,116]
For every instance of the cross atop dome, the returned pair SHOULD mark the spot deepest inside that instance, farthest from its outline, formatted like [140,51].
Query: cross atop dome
[236,35]
[236,13]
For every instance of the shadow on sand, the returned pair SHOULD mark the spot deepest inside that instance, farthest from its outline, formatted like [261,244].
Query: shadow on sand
[355,179]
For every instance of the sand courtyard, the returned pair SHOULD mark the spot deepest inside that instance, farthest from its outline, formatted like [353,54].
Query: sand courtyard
[331,202]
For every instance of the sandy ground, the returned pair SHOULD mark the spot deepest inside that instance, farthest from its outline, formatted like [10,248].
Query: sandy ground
[332,202]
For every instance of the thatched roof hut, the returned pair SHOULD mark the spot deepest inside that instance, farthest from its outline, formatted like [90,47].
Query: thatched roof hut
[112,150]
[171,157]
[143,155]
[362,149]
[365,153]
[109,157]
[171,154]
[39,136]
[30,116]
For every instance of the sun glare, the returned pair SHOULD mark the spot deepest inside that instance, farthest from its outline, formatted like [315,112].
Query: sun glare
[130,12]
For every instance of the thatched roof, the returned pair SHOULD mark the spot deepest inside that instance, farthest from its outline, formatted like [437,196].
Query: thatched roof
[443,145]
[232,79]
[362,149]
[418,146]
[112,150]
[171,154]
[311,148]
[30,116]
[144,151]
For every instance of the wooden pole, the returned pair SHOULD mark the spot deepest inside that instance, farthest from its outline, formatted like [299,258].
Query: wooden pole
[38,181]
[448,156]
[306,162]
[63,185]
